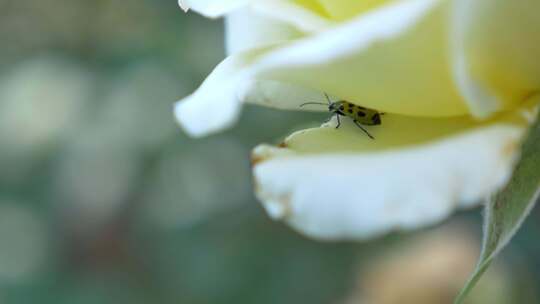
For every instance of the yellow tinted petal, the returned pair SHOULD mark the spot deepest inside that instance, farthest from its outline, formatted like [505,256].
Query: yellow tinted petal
[395,59]
[339,184]
[304,17]
[312,5]
[345,9]
[395,131]
[499,42]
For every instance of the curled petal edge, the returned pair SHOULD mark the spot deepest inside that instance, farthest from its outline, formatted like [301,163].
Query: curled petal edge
[363,195]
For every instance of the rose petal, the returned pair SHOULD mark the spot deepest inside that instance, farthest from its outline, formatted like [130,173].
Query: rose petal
[395,131]
[246,29]
[495,47]
[282,95]
[269,22]
[345,9]
[183,5]
[306,16]
[369,60]
[394,59]
[339,184]
[217,102]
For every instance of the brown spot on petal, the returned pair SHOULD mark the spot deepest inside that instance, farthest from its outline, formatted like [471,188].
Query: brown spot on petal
[283,145]
[264,153]
[256,159]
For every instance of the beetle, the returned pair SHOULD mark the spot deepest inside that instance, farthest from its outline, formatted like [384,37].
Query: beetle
[359,115]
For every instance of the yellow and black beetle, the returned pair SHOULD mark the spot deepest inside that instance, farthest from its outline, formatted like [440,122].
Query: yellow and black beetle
[359,115]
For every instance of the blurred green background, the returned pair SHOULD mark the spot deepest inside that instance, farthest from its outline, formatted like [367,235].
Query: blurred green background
[103,199]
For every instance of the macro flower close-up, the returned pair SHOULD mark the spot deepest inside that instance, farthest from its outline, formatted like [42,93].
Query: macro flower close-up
[455,83]
[270,151]
[429,102]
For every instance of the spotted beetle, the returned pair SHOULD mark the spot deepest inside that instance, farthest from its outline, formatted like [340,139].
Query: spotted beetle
[359,115]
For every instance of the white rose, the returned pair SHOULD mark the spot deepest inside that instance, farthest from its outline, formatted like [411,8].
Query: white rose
[458,81]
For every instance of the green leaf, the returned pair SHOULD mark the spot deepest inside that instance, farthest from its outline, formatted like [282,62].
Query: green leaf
[505,213]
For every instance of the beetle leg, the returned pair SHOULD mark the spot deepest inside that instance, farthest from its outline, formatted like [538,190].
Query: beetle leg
[365,131]
[338,121]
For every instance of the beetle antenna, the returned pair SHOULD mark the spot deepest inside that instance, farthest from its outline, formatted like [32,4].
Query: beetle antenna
[317,103]
[327,98]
